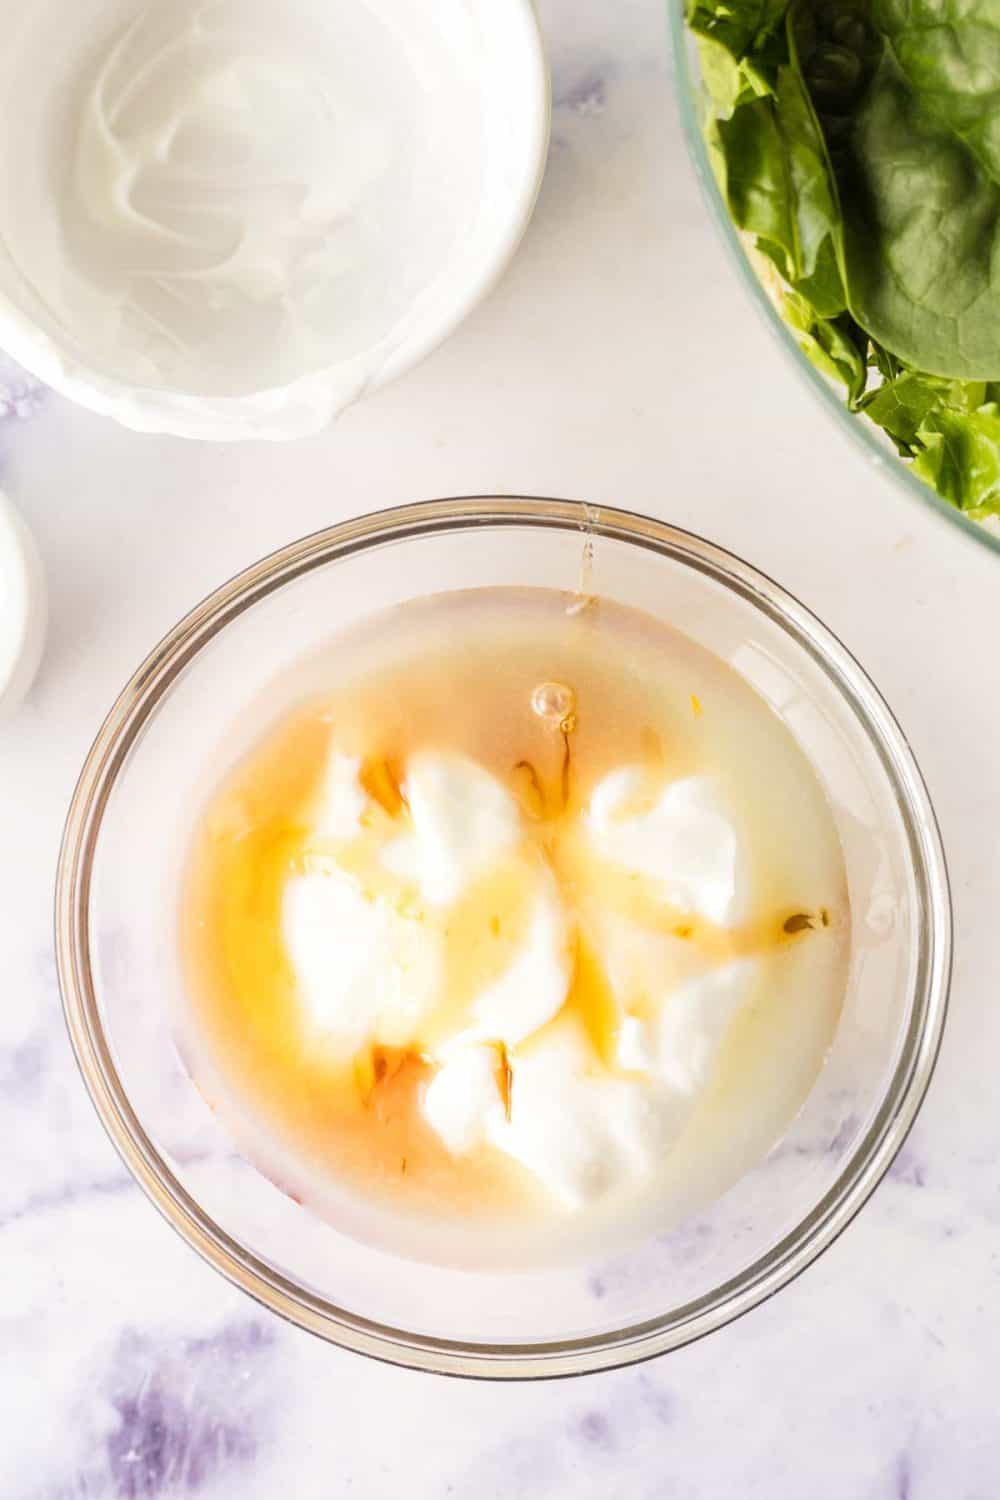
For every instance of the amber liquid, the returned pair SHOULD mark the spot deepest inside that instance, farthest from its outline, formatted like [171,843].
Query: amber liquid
[458,672]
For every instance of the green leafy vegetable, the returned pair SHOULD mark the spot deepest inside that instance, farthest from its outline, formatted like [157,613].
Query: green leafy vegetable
[902,405]
[949,53]
[742,27]
[778,188]
[960,458]
[729,83]
[857,145]
[831,345]
[921,235]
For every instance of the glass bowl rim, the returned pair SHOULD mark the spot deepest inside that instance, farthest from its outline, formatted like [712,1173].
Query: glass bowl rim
[856,1180]
[860,432]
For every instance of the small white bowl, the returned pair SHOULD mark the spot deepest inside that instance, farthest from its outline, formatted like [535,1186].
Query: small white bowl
[82,227]
[23,608]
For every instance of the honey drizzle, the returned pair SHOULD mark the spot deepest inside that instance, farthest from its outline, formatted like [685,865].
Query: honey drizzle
[505,1079]
[381,779]
[386,1081]
[529,790]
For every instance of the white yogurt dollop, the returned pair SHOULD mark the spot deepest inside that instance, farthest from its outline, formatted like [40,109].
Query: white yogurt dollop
[678,1043]
[341,800]
[685,841]
[517,1070]
[582,1131]
[463,1102]
[368,967]
[463,823]
[534,988]
[366,972]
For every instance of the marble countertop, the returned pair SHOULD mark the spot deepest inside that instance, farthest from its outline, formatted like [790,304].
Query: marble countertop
[618,361]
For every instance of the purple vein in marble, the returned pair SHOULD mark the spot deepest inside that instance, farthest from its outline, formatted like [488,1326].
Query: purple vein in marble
[655,1400]
[21,1069]
[908,1168]
[595,1431]
[69,1193]
[904,1478]
[640,1403]
[20,393]
[586,94]
[185,1414]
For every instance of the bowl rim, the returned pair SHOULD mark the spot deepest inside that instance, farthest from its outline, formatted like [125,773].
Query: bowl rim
[158,409]
[870,1158]
[859,430]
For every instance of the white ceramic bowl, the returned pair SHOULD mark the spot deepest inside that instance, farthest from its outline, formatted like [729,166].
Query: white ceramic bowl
[54,321]
[23,607]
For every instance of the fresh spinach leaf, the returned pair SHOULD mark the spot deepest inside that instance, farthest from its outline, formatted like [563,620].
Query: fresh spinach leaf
[729,83]
[949,53]
[834,346]
[885,363]
[902,405]
[921,210]
[740,26]
[857,144]
[778,188]
[921,235]
[960,458]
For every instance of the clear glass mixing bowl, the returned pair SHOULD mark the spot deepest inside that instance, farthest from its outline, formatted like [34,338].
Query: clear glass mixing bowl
[118,958]
[873,442]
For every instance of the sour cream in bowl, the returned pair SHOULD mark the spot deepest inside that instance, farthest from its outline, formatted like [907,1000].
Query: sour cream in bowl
[230,220]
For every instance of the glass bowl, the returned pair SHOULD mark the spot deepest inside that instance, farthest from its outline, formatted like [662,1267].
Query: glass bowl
[119,971]
[873,443]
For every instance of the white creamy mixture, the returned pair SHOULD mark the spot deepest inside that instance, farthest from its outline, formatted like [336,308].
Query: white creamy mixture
[230,199]
[369,962]
[514,927]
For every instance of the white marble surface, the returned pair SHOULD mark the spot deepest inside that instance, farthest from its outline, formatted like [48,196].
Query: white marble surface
[618,361]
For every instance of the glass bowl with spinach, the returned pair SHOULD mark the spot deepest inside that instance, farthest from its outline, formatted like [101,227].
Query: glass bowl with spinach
[851,152]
